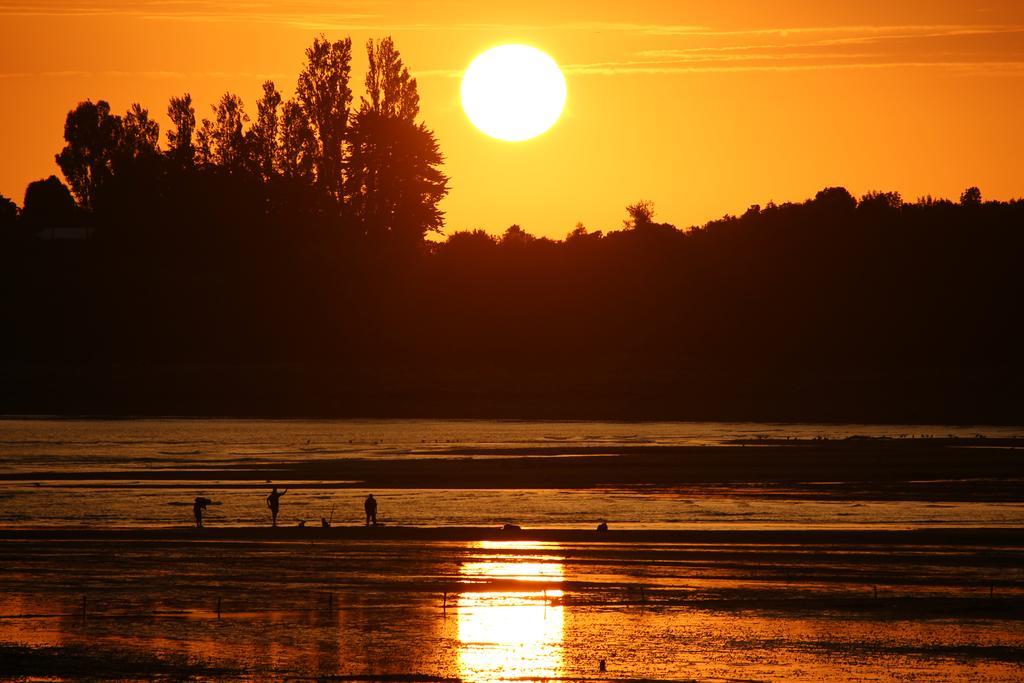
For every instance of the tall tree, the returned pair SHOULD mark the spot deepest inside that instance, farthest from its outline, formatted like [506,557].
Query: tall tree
[392,91]
[183,118]
[264,133]
[394,182]
[222,141]
[140,135]
[324,92]
[298,143]
[93,137]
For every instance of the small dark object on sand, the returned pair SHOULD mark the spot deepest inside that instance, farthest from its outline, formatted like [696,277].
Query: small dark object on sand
[511,527]
[324,523]
[603,526]
[302,524]
[601,666]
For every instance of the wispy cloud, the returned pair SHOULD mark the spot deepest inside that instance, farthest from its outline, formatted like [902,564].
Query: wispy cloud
[864,31]
[623,68]
[976,48]
[664,48]
[318,14]
[850,36]
[359,15]
[156,75]
[990,48]
[351,15]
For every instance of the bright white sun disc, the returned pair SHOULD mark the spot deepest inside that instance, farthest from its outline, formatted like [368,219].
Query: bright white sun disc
[513,92]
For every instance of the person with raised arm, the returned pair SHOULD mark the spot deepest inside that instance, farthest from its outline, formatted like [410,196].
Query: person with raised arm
[274,503]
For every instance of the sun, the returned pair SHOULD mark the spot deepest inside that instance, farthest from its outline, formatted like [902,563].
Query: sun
[513,92]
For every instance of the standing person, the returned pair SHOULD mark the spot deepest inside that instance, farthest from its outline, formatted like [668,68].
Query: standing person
[274,503]
[198,508]
[370,505]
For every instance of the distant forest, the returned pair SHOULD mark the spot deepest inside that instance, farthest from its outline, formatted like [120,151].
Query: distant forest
[281,266]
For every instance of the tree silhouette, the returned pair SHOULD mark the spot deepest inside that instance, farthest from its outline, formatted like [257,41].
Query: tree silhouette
[639,214]
[391,90]
[324,92]
[837,199]
[298,148]
[815,310]
[296,247]
[468,241]
[515,236]
[263,135]
[222,141]
[48,204]
[93,136]
[8,214]
[394,182]
[183,118]
[880,201]
[106,153]
[971,197]
[140,135]
[580,235]
[382,168]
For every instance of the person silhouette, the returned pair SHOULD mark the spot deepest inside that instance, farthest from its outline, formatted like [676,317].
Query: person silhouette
[370,505]
[198,507]
[274,503]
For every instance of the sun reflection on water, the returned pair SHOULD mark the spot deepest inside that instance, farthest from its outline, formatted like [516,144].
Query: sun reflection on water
[510,629]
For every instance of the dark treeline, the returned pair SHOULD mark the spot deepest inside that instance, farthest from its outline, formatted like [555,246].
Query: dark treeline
[279,266]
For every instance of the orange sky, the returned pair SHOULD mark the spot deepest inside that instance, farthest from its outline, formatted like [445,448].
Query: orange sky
[703,107]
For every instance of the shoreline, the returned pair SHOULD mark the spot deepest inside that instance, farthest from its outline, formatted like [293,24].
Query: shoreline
[996,420]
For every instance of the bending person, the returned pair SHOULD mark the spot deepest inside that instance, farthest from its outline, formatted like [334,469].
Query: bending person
[198,507]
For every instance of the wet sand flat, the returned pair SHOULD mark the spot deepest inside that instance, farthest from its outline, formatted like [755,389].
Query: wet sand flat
[570,466]
[969,537]
[735,606]
[632,480]
[735,552]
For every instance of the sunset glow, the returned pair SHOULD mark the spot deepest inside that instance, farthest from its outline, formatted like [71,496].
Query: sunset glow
[706,108]
[532,341]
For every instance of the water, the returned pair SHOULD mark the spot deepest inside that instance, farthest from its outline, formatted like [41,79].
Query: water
[482,611]
[72,464]
[84,445]
[507,611]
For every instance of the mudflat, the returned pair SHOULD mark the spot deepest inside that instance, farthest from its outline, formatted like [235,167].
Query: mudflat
[1003,538]
[396,604]
[753,552]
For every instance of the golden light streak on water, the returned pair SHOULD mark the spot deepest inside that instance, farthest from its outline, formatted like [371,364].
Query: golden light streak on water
[516,633]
